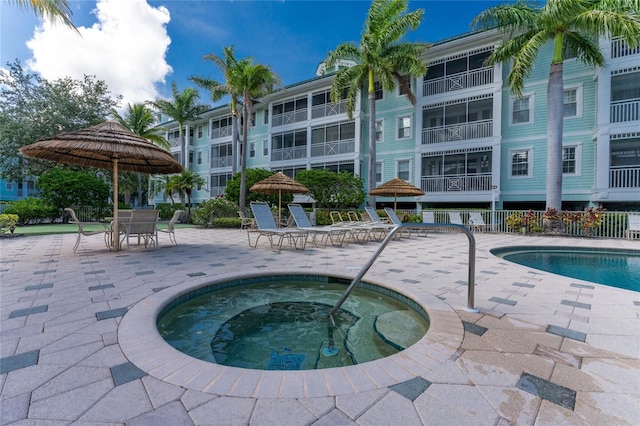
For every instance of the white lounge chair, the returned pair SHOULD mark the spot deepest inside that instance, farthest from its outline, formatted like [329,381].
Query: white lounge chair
[246,222]
[334,234]
[476,222]
[395,220]
[266,226]
[454,218]
[171,226]
[82,229]
[427,217]
[634,226]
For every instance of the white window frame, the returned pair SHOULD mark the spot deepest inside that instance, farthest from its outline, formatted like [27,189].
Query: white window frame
[199,131]
[578,90]
[398,122]
[410,80]
[265,116]
[381,132]
[265,147]
[531,100]
[403,160]
[252,150]
[381,164]
[577,159]
[381,90]
[199,158]
[9,186]
[529,152]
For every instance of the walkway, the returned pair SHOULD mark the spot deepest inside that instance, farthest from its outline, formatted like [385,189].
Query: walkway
[543,349]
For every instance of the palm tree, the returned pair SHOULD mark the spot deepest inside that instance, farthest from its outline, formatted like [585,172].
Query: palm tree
[572,25]
[252,81]
[226,64]
[52,9]
[184,184]
[140,120]
[183,108]
[380,56]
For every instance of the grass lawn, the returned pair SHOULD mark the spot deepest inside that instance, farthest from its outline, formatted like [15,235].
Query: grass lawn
[68,228]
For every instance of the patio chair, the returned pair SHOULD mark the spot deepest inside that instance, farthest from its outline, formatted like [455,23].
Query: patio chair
[143,225]
[428,217]
[334,234]
[476,222]
[397,221]
[266,226]
[454,218]
[171,228]
[634,226]
[82,231]
[246,222]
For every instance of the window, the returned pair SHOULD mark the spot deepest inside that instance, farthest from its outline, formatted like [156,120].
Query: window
[253,119]
[377,86]
[265,147]
[405,88]
[570,100]
[404,170]
[379,131]
[569,160]
[404,127]
[199,157]
[9,186]
[200,131]
[252,150]
[520,166]
[521,110]
[265,117]
[378,172]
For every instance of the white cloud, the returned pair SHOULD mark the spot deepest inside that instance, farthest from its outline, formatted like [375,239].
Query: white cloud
[126,48]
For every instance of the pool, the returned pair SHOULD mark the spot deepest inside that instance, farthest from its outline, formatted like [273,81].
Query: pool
[613,267]
[281,323]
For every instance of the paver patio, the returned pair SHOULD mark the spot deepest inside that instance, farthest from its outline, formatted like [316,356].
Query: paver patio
[543,349]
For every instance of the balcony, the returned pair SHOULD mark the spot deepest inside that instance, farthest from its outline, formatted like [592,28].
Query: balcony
[329,109]
[333,148]
[456,183]
[289,117]
[458,132]
[292,153]
[620,48]
[628,177]
[626,110]
[464,80]
[217,162]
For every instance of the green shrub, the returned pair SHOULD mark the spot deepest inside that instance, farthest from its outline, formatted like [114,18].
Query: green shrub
[412,218]
[216,208]
[8,222]
[32,210]
[165,211]
[226,222]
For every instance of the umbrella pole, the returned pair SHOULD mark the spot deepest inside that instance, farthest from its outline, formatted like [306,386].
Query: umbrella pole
[115,235]
[279,208]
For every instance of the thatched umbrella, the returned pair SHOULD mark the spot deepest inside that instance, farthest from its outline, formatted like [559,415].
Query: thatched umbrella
[395,188]
[108,145]
[279,183]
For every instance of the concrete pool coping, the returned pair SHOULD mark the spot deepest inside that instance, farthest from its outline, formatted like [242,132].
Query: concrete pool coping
[143,345]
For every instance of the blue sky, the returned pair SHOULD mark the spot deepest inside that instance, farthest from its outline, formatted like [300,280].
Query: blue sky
[139,47]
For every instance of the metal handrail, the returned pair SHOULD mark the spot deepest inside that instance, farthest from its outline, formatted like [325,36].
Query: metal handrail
[472,261]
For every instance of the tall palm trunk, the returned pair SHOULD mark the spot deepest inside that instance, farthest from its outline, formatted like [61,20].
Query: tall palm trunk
[234,139]
[243,159]
[372,139]
[555,113]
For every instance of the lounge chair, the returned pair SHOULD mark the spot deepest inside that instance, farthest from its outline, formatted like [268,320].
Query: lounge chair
[476,222]
[82,231]
[143,225]
[397,221]
[171,228]
[428,217]
[634,226]
[334,234]
[266,226]
[454,218]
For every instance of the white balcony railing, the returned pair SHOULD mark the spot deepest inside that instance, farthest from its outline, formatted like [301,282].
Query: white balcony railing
[627,110]
[458,132]
[326,110]
[333,148]
[217,162]
[463,80]
[456,183]
[292,153]
[289,117]
[624,177]
[620,48]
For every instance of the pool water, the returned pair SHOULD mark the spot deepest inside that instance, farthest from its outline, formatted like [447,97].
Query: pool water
[282,324]
[613,267]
